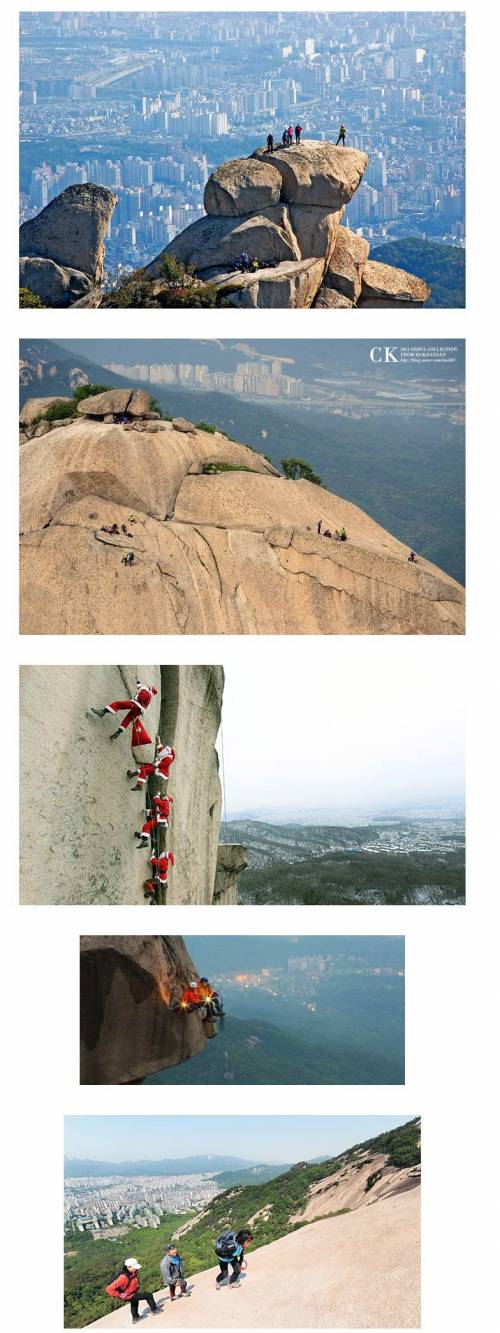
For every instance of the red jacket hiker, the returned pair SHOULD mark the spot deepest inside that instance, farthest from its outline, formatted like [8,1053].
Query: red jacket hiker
[123,1287]
[191,996]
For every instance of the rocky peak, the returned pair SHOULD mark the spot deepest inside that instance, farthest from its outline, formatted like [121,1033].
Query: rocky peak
[62,248]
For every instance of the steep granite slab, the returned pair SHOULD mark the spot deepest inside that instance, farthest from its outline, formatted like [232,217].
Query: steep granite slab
[383,285]
[218,241]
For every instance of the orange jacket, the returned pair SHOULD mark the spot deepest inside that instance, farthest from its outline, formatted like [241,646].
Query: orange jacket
[123,1287]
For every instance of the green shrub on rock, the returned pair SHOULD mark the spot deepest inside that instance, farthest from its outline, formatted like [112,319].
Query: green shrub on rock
[28,300]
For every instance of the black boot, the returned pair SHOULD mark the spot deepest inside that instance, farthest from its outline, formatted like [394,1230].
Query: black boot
[115,734]
[99,712]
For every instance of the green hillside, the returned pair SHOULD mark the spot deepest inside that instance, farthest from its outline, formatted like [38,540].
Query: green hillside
[359,878]
[90,1265]
[254,1051]
[442,266]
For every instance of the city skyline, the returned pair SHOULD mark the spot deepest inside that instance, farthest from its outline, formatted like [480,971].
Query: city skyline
[170,96]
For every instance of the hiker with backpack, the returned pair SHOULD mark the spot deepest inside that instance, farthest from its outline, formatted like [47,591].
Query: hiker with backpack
[230,1249]
[125,1287]
[172,1272]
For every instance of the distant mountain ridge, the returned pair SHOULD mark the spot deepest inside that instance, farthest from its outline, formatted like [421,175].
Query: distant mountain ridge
[167,1166]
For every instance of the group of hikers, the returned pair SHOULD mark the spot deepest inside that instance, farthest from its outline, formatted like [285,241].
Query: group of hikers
[340,534]
[159,811]
[229,1247]
[287,138]
[113,530]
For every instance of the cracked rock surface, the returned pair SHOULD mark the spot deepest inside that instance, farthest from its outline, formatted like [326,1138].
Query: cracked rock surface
[231,551]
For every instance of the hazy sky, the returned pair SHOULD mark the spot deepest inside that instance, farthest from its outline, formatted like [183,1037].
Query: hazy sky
[351,728]
[266,1138]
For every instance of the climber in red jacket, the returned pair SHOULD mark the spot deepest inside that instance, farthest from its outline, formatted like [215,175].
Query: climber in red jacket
[191,998]
[161,865]
[125,1287]
[164,758]
[157,819]
[134,709]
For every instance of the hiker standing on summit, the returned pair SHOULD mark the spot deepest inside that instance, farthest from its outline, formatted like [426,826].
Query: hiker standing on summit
[172,1272]
[342,135]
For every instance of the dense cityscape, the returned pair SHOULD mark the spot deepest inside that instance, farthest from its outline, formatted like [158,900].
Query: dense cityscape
[107,1205]
[149,103]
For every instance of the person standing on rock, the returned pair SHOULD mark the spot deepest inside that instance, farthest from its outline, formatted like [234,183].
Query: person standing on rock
[125,1287]
[172,1272]
[270,143]
[290,136]
[229,1249]
[284,138]
[135,708]
[342,135]
[159,819]
[298,132]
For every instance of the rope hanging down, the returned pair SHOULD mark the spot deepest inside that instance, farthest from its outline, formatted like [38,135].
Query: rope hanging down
[224,806]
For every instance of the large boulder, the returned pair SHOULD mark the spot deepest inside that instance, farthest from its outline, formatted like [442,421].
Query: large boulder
[347,263]
[246,185]
[140,403]
[217,242]
[288,285]
[382,285]
[100,404]
[315,230]
[36,407]
[329,299]
[53,283]
[71,229]
[316,173]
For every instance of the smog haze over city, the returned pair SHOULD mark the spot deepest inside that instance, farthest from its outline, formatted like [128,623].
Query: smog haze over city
[149,103]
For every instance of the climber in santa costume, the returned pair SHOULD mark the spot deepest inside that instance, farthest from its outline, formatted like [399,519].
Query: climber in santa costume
[134,710]
[161,865]
[157,818]
[165,755]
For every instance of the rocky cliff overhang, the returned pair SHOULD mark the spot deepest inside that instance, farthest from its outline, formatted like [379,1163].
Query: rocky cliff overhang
[222,544]
[129,1026]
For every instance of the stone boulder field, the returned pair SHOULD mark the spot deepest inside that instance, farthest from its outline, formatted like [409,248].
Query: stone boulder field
[284,209]
[132,524]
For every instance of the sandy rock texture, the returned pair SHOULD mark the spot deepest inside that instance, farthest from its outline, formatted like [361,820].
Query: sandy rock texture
[234,552]
[54,284]
[82,848]
[129,1028]
[363,1271]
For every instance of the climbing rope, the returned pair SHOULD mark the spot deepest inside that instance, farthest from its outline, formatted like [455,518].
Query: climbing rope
[224,806]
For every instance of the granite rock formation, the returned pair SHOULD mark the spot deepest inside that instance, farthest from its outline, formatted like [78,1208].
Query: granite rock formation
[285,210]
[231,860]
[129,1027]
[81,848]
[222,544]
[62,248]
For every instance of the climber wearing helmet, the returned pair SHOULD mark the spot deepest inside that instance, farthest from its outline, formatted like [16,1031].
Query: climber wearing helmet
[125,1287]
[191,998]
[210,997]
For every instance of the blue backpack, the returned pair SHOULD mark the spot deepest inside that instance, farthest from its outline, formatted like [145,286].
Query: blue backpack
[226,1245]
